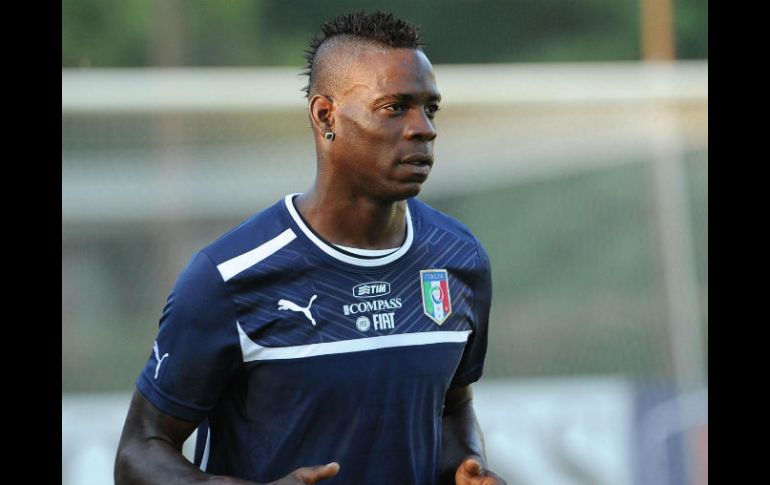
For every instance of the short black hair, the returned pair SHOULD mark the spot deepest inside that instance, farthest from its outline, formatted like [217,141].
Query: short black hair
[379,27]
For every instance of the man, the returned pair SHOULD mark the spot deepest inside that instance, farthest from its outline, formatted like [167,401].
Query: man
[341,326]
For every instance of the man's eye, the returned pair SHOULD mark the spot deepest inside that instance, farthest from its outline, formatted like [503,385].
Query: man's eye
[431,110]
[397,108]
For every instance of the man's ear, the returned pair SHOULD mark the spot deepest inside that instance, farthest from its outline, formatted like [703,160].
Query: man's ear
[321,113]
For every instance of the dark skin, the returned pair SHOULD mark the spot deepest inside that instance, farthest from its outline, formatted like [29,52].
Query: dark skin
[150,452]
[382,116]
[382,113]
[381,108]
[150,449]
[462,442]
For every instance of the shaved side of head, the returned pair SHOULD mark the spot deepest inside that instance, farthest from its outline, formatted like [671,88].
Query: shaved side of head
[345,38]
[334,62]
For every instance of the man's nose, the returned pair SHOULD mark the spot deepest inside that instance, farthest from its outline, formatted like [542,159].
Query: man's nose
[420,127]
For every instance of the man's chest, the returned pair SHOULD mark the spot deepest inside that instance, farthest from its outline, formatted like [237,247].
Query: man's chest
[306,306]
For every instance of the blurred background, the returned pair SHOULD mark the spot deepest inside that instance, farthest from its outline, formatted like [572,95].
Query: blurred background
[573,140]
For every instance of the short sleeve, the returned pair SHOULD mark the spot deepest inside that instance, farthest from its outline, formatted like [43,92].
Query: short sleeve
[471,365]
[197,348]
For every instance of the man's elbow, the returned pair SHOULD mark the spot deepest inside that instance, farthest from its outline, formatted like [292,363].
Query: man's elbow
[125,460]
[119,472]
[457,399]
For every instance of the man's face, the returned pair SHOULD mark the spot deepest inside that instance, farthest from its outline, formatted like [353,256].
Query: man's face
[384,124]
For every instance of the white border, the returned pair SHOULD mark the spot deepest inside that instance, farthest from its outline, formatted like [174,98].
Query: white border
[205,457]
[367,252]
[253,351]
[233,266]
[345,257]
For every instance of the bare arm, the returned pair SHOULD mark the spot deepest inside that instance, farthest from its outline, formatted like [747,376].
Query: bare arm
[461,435]
[462,443]
[150,449]
[150,452]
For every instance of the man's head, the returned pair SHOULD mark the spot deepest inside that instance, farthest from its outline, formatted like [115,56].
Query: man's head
[374,29]
[372,86]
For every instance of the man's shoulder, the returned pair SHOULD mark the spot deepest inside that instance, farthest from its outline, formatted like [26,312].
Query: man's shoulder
[431,217]
[255,231]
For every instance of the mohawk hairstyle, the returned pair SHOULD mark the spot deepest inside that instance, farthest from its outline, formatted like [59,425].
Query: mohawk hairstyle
[380,27]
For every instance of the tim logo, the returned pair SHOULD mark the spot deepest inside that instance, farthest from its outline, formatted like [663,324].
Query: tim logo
[371,289]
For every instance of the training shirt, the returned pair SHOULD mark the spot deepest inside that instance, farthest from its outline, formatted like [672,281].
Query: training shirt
[294,352]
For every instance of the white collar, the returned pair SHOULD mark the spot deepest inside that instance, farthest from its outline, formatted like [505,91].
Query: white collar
[335,253]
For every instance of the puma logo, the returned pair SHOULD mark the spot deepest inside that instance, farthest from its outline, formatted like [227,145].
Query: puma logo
[158,358]
[287,305]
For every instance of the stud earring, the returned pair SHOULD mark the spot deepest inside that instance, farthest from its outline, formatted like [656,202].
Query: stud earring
[329,135]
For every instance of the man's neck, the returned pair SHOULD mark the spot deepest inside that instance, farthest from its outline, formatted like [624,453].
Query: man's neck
[357,222]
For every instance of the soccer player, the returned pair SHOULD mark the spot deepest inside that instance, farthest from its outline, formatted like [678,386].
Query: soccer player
[333,336]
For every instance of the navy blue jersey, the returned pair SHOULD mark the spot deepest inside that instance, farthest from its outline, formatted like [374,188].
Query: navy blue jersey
[294,352]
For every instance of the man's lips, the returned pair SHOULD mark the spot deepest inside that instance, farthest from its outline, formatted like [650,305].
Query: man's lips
[418,159]
[418,164]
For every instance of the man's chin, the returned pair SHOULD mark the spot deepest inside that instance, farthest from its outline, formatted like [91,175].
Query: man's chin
[398,191]
[409,190]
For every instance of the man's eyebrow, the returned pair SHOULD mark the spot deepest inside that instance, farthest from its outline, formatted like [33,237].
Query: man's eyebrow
[404,97]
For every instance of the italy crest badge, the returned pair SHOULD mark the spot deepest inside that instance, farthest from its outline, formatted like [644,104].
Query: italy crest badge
[435,294]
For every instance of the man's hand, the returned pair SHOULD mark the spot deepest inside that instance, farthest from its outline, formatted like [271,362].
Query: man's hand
[309,474]
[472,472]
